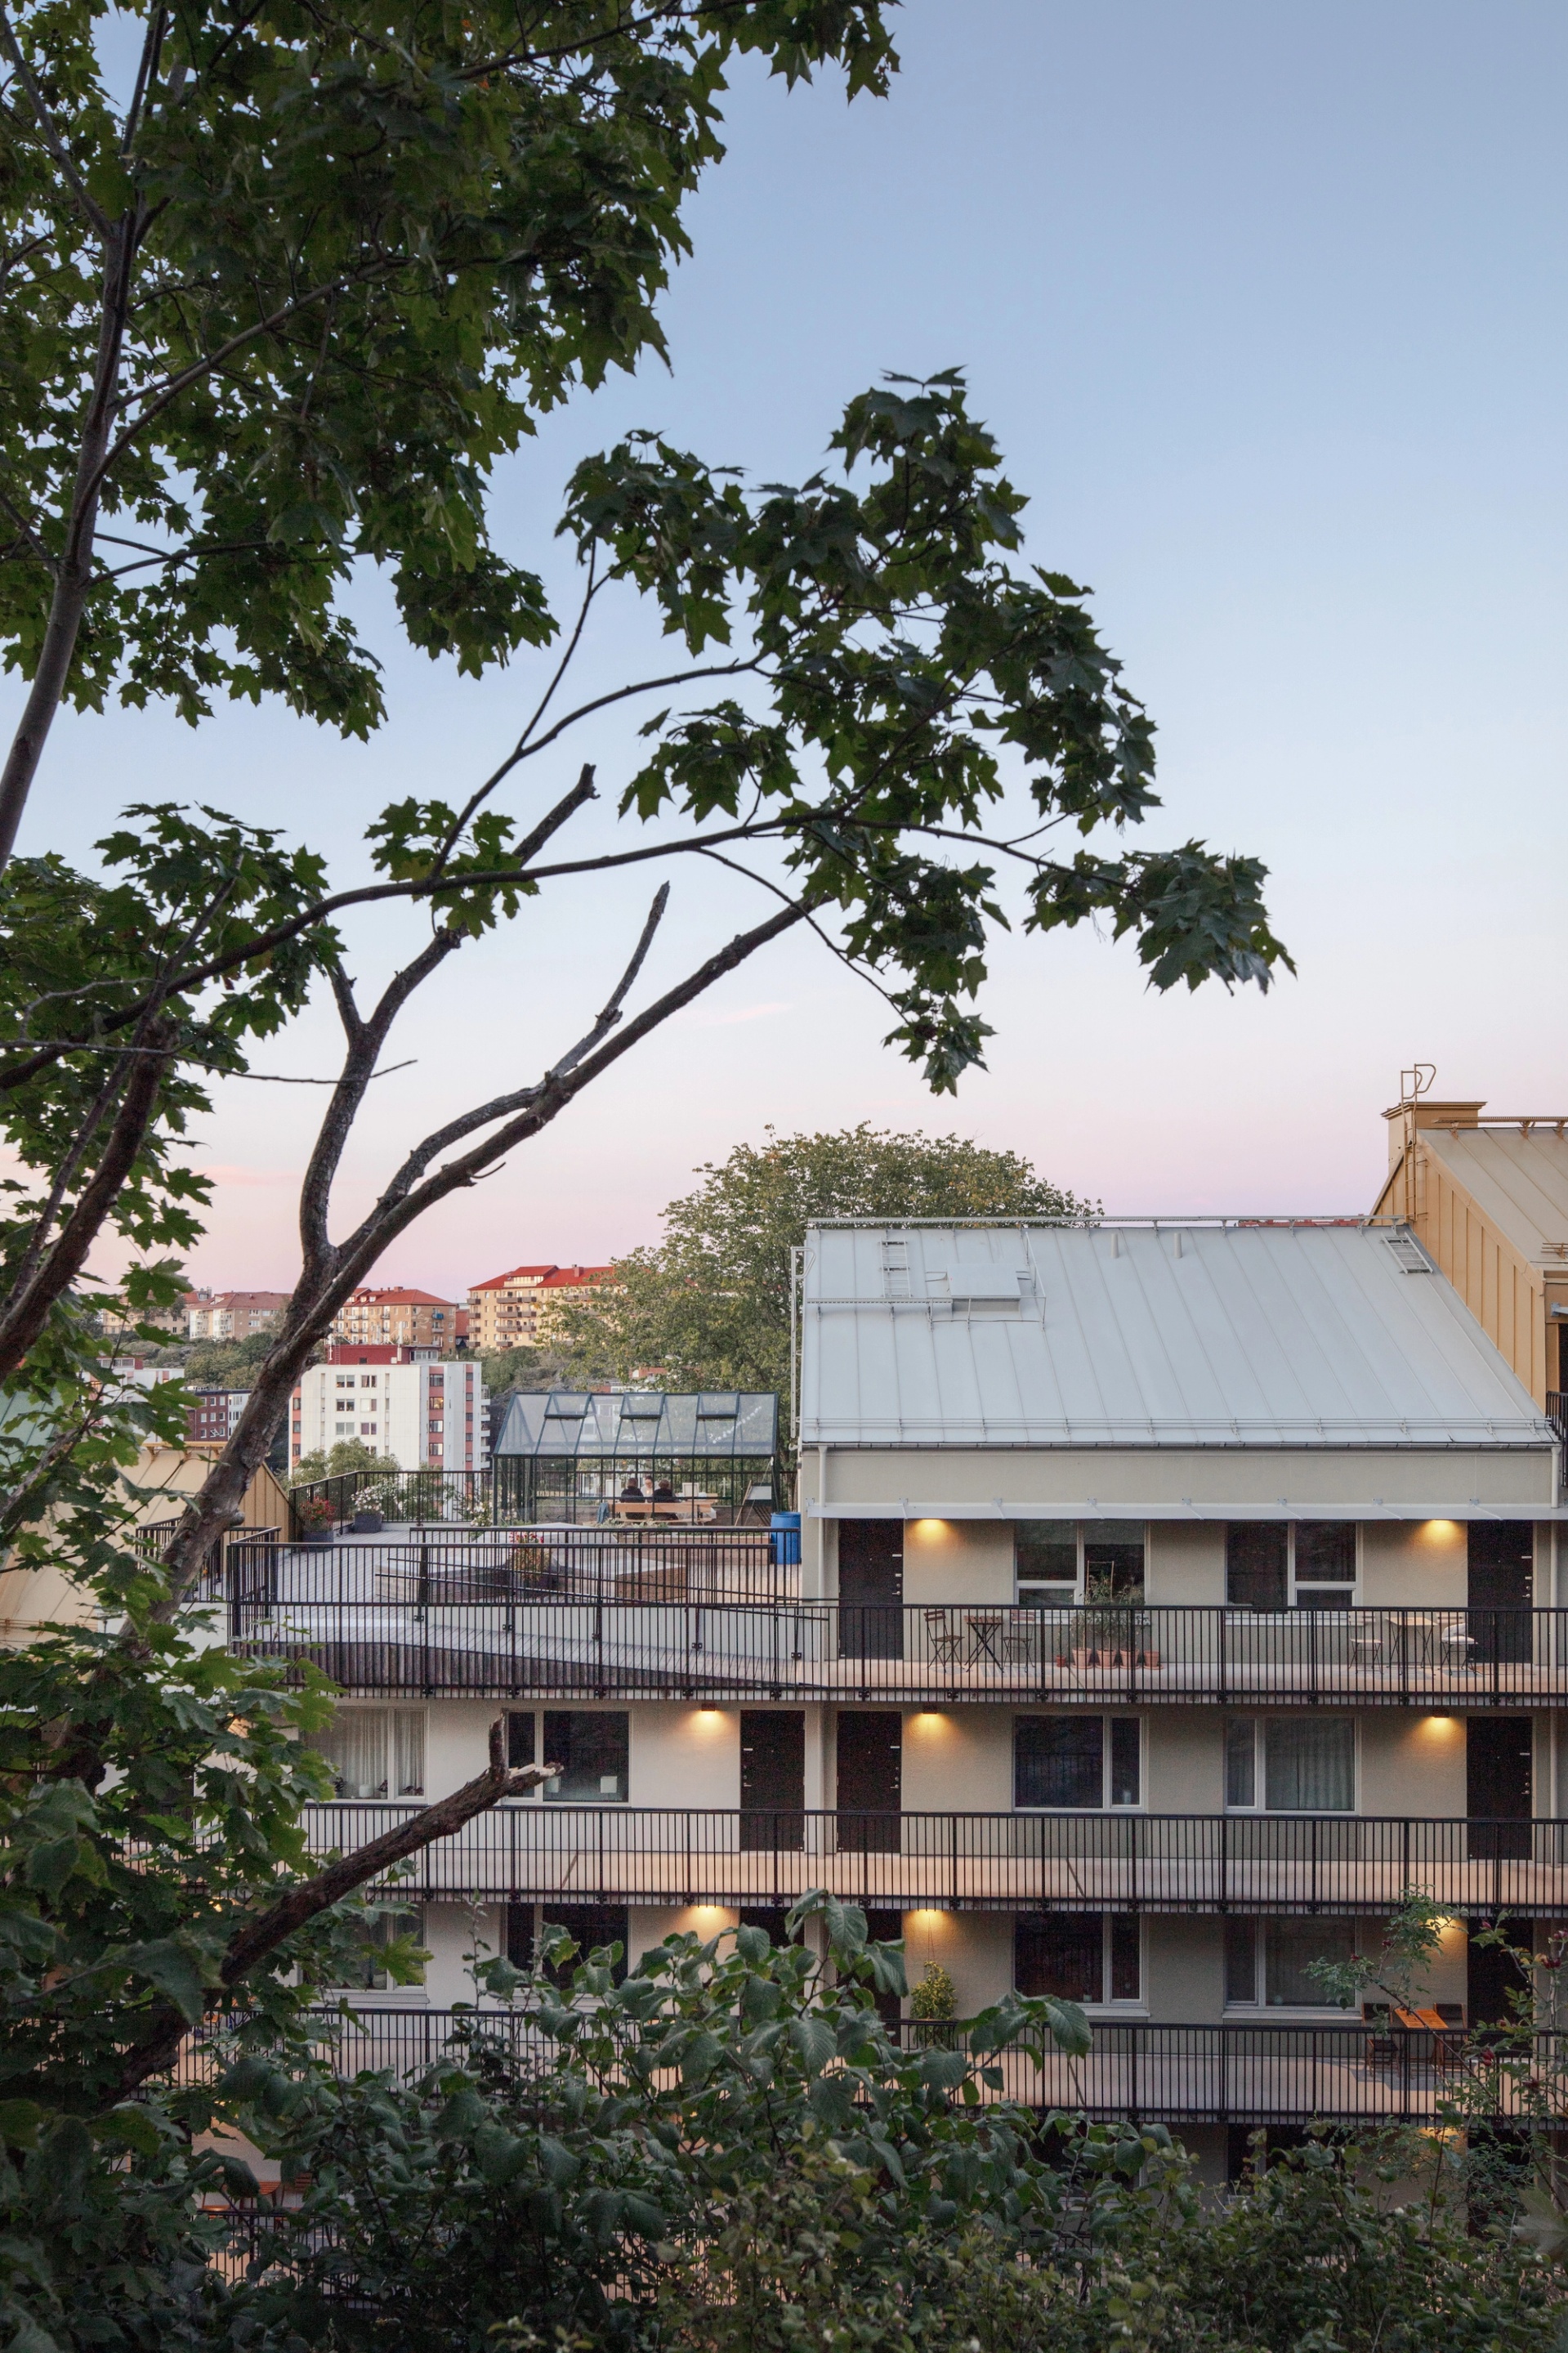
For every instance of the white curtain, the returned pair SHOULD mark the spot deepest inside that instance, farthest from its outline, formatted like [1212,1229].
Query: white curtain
[1288,1945]
[1310,1767]
[408,1745]
[354,1745]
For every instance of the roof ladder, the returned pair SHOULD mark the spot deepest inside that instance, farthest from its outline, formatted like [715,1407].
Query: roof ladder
[896,1267]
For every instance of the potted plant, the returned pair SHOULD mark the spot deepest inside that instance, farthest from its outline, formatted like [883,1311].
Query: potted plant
[318,1518]
[933,2004]
[372,1505]
[1109,1631]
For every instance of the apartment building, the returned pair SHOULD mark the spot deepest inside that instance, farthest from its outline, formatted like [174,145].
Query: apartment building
[523,1308]
[424,1414]
[394,1317]
[234,1315]
[1170,1596]
[214,1415]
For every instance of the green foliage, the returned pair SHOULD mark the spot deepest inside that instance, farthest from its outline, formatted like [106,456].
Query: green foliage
[933,1997]
[347,1454]
[358,259]
[710,1307]
[227,1364]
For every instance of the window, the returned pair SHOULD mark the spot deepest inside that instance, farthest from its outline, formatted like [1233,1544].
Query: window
[1301,1564]
[1078,1956]
[1077,1760]
[375,1752]
[371,1938]
[591,1750]
[1267,1962]
[1290,1763]
[1057,1562]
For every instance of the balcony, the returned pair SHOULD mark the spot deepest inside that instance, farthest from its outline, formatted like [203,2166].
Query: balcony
[976,1861]
[1174,2074]
[662,1614]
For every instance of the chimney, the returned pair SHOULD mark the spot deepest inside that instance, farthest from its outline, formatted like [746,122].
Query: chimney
[1406,1120]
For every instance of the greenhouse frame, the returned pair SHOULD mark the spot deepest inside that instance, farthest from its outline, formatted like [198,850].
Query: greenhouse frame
[707,1457]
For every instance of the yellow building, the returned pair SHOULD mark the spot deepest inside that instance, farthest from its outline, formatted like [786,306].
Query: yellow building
[1487,1199]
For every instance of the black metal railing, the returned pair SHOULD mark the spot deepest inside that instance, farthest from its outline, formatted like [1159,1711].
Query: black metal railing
[1111,1862]
[1225,2074]
[653,1612]
[739,1494]
[1557,1412]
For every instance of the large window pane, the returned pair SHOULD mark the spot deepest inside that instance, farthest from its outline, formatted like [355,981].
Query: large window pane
[1060,1953]
[408,1751]
[1310,1764]
[1125,1760]
[1045,1552]
[1126,1963]
[1057,1761]
[1240,1761]
[354,1745]
[1325,1552]
[1288,1945]
[1255,1552]
[1240,1960]
[1113,1560]
[591,1750]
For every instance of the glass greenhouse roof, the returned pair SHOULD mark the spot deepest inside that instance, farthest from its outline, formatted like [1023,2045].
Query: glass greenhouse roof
[582,1424]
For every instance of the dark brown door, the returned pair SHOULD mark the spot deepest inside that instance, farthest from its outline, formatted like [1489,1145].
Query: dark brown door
[1494,1974]
[871,1588]
[1498,1783]
[772,1778]
[1502,1588]
[884,1927]
[870,1779]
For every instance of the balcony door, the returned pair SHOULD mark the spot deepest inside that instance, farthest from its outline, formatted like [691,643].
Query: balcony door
[1502,1588]
[871,1588]
[772,1779]
[1497,1777]
[870,1779]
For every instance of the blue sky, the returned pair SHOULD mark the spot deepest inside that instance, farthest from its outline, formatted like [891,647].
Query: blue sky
[1266,306]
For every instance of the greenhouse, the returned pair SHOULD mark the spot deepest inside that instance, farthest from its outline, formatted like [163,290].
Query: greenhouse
[625,1455]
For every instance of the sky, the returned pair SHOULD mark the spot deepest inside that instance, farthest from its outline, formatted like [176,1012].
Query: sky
[1266,307]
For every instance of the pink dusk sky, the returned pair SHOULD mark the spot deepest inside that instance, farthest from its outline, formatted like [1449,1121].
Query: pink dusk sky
[1266,308]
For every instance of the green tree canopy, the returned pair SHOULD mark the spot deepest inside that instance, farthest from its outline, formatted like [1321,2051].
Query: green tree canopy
[278,298]
[709,1307]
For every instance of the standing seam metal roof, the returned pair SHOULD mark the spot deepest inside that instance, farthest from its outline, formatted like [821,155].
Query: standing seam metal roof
[1252,1333]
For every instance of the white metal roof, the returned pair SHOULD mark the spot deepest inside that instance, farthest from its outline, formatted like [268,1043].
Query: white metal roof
[1147,1333]
[1518,1176]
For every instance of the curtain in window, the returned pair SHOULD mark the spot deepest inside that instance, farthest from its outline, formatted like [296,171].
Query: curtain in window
[408,1743]
[354,1745]
[1288,1945]
[1309,1765]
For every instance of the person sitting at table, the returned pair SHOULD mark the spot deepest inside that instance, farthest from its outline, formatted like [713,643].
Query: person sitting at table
[663,1492]
[632,1492]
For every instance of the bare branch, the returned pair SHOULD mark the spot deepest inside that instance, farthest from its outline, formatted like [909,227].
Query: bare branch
[25,1320]
[167,2027]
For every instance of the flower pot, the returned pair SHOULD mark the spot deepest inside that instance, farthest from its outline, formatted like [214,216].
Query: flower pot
[368,1524]
[317,1536]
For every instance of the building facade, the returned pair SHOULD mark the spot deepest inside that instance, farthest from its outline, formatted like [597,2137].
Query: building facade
[212,1415]
[523,1309]
[234,1315]
[423,1414]
[393,1317]
[1171,1596]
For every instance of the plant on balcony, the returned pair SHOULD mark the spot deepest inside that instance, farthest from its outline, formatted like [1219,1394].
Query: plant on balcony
[932,2003]
[1107,1631]
[317,1514]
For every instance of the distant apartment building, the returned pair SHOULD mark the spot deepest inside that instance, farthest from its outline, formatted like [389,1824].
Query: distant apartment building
[234,1315]
[174,1320]
[520,1309]
[409,1319]
[425,1415]
[212,1415]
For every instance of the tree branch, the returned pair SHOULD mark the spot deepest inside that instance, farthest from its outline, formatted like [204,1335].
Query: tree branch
[23,1322]
[50,130]
[167,2027]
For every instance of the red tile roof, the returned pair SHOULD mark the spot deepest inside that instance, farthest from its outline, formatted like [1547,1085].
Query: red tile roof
[496,1282]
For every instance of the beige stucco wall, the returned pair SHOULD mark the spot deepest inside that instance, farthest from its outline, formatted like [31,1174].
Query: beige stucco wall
[1072,1482]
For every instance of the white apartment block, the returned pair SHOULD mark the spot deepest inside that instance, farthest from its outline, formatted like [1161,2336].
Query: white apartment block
[1172,1596]
[234,1315]
[425,1415]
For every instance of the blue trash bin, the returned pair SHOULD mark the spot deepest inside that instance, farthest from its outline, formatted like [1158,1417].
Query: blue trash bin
[783,1543]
